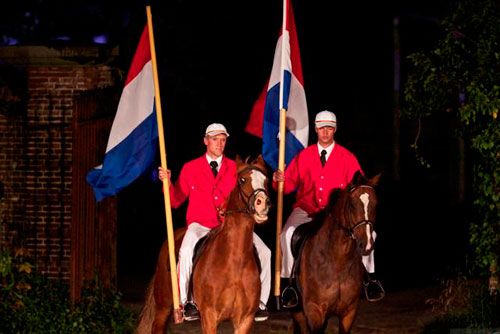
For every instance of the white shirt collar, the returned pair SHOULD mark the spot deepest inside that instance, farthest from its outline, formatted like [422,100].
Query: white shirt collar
[328,149]
[218,160]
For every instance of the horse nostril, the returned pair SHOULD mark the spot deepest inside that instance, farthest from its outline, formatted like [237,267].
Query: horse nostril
[259,202]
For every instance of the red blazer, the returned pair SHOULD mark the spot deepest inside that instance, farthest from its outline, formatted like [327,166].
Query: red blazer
[206,194]
[314,182]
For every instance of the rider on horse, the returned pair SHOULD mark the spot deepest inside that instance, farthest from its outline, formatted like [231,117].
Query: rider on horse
[207,181]
[314,172]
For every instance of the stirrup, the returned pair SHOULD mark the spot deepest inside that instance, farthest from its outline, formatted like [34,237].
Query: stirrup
[293,300]
[380,296]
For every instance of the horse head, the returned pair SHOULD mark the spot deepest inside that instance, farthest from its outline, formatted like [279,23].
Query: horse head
[252,185]
[360,210]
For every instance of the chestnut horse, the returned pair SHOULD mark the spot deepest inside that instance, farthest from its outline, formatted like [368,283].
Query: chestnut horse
[225,280]
[330,274]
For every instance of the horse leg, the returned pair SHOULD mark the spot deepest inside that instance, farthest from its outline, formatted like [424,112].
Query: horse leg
[346,322]
[299,323]
[156,309]
[209,322]
[160,321]
[245,326]
[321,329]
[315,318]
[148,311]
[164,304]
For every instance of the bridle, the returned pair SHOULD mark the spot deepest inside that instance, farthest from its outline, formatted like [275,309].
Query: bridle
[249,200]
[350,230]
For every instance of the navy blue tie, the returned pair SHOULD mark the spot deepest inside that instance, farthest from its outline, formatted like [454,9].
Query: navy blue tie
[214,165]
[323,158]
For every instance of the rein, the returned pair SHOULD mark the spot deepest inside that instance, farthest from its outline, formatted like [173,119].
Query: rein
[247,199]
[350,230]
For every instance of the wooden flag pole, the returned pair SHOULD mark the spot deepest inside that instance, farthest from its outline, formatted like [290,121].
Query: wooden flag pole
[166,193]
[281,162]
[279,214]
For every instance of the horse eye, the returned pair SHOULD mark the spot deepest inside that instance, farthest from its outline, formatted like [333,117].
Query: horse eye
[243,180]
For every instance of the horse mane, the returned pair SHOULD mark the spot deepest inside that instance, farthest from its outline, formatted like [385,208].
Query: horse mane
[258,163]
[319,217]
[357,180]
[332,199]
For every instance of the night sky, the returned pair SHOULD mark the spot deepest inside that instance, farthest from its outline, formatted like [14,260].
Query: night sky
[214,58]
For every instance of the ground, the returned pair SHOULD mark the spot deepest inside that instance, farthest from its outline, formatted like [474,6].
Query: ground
[400,312]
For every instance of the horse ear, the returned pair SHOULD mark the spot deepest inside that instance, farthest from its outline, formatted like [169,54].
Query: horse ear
[238,161]
[259,161]
[356,178]
[375,180]
[246,160]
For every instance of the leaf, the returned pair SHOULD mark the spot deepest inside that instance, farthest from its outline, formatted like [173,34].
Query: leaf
[25,267]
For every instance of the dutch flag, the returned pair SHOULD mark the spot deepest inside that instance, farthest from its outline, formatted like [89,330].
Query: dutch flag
[265,115]
[133,140]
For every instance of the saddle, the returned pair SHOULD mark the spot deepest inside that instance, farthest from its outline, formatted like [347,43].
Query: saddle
[292,292]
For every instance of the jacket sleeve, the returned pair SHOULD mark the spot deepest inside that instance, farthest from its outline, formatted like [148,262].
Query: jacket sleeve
[180,192]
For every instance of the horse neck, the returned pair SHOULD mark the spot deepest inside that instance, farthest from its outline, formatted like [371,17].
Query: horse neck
[238,225]
[235,202]
[332,228]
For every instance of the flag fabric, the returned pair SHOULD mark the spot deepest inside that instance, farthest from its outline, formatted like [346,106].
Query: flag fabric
[265,116]
[133,140]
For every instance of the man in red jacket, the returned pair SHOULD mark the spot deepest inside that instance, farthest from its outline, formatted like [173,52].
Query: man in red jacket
[314,172]
[207,181]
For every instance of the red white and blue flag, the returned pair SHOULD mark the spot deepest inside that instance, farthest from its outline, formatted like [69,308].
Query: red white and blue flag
[133,140]
[265,116]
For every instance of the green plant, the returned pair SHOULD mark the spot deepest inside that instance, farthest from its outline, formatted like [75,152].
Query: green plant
[31,303]
[461,76]
[102,312]
[464,303]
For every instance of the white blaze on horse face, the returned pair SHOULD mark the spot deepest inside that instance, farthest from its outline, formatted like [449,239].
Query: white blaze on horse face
[260,204]
[258,180]
[365,199]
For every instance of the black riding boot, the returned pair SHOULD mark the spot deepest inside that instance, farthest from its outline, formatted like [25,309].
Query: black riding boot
[373,288]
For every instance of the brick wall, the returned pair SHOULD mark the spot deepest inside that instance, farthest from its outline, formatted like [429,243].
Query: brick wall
[36,153]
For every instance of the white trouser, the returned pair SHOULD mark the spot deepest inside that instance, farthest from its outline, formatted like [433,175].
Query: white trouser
[194,233]
[297,218]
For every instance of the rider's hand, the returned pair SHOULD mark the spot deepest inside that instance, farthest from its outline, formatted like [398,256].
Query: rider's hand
[278,176]
[163,174]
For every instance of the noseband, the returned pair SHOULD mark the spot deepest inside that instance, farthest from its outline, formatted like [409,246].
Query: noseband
[249,200]
[350,230]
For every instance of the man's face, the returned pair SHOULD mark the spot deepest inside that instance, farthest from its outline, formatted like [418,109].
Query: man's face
[325,135]
[215,145]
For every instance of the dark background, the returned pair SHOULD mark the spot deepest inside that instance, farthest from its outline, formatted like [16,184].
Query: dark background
[214,58]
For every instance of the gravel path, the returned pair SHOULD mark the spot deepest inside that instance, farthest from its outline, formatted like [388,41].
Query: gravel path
[401,312]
